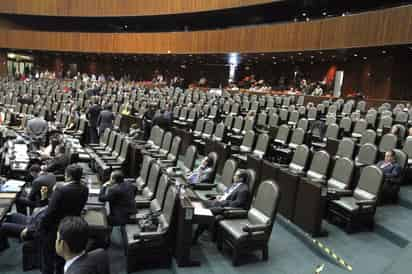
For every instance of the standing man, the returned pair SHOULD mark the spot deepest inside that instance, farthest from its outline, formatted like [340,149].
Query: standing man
[66,200]
[105,119]
[121,198]
[92,115]
[37,129]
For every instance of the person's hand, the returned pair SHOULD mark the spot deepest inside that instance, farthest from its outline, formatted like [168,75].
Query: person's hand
[109,183]
[219,197]
[23,234]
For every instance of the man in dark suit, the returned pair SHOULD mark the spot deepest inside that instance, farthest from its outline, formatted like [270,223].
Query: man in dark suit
[390,168]
[105,120]
[92,115]
[391,172]
[34,196]
[121,198]
[66,200]
[71,242]
[59,163]
[236,196]
[18,225]
[37,129]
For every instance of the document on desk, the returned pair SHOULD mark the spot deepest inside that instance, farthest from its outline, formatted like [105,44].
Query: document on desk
[93,190]
[12,186]
[200,210]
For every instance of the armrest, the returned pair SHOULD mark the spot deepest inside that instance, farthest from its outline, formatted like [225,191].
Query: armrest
[147,235]
[165,161]
[318,181]
[340,192]
[254,228]
[362,203]
[203,186]
[234,213]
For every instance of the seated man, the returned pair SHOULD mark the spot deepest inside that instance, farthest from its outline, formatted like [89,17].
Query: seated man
[391,172]
[58,164]
[71,242]
[121,198]
[235,196]
[34,196]
[202,173]
[18,225]
[390,168]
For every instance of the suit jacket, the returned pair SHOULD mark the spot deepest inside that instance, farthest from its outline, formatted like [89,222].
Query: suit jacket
[93,114]
[58,164]
[48,180]
[121,198]
[94,262]
[37,127]
[105,120]
[201,175]
[391,170]
[239,198]
[66,200]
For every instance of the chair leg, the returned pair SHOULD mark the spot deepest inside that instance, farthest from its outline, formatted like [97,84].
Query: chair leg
[265,253]
[235,259]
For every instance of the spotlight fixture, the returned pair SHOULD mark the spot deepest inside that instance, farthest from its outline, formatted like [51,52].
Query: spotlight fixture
[383,51]
[324,13]
[356,55]
[299,53]
[275,63]
[307,19]
[364,57]
[304,14]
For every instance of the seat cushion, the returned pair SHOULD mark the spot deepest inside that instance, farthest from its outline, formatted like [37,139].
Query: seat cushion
[130,231]
[349,204]
[234,228]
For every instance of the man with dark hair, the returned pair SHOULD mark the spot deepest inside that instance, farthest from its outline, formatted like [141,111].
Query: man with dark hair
[71,242]
[37,128]
[105,120]
[34,196]
[121,198]
[92,115]
[235,196]
[67,200]
[18,225]
[390,168]
[59,163]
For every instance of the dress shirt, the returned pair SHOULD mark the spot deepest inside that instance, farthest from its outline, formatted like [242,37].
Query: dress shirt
[71,261]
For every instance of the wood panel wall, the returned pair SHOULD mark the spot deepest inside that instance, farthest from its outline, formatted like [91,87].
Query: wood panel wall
[118,7]
[384,27]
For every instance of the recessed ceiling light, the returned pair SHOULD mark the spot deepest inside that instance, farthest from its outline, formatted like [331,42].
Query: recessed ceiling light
[307,19]
[356,55]
[364,57]
[299,53]
[324,13]
[275,63]
[262,54]
[303,14]
[273,57]
[168,51]
[383,51]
